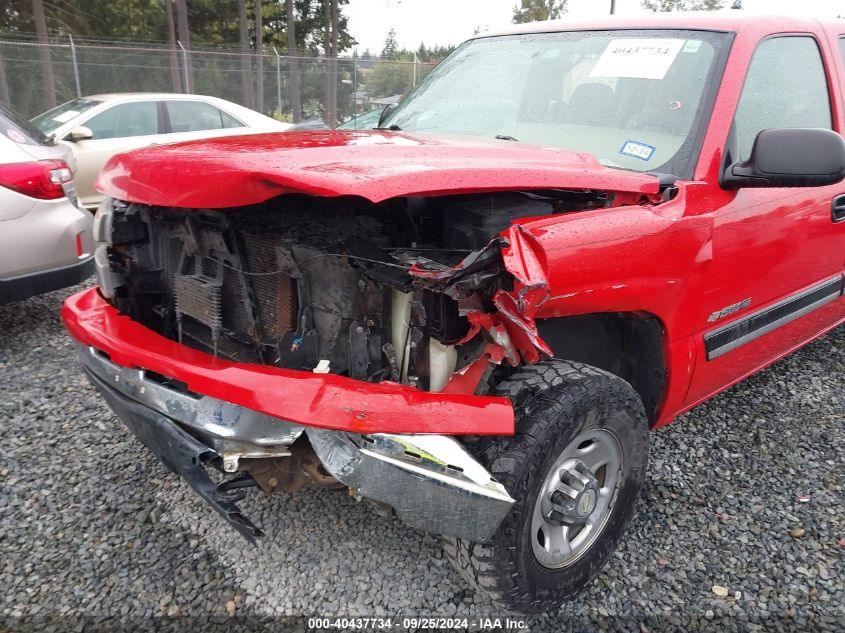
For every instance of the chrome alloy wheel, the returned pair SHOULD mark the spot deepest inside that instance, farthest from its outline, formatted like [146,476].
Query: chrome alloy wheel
[577,498]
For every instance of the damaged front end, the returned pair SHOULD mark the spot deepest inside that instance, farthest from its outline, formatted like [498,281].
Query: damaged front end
[408,291]
[431,481]
[318,340]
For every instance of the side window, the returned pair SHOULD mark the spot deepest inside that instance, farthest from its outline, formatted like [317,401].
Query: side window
[193,116]
[139,118]
[785,87]
[230,121]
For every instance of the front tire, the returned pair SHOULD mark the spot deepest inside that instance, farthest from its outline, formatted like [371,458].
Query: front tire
[575,467]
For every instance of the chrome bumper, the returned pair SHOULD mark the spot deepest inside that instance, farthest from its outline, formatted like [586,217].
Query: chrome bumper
[233,432]
[431,481]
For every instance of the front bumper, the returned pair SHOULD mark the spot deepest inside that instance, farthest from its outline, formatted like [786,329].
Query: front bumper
[182,453]
[316,400]
[36,283]
[430,480]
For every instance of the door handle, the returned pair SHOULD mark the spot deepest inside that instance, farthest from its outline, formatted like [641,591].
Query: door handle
[837,209]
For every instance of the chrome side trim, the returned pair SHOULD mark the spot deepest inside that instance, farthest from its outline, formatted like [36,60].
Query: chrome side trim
[234,432]
[720,341]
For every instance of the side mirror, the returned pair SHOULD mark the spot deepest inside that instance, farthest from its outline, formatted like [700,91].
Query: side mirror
[80,133]
[383,116]
[790,157]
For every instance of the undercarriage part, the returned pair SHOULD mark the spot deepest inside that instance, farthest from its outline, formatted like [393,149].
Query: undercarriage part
[235,489]
[274,474]
[317,473]
[291,473]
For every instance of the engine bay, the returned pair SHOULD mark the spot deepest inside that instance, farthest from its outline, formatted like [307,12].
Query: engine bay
[394,291]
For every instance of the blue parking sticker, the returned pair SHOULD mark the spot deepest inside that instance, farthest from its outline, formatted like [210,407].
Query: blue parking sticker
[635,149]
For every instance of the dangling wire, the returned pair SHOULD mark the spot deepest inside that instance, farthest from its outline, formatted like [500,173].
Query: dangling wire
[305,261]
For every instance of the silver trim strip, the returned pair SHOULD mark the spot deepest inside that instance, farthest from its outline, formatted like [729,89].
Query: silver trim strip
[835,293]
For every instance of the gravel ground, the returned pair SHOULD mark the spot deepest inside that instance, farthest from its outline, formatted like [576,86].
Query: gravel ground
[92,527]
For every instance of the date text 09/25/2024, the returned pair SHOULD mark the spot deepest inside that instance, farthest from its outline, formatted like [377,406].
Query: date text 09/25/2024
[416,623]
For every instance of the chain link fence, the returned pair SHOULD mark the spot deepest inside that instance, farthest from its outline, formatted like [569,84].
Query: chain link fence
[263,82]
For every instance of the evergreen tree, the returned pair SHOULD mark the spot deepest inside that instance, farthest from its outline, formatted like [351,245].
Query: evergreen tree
[686,5]
[390,45]
[537,10]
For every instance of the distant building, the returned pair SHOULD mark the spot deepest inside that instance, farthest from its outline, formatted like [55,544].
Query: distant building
[385,101]
[362,97]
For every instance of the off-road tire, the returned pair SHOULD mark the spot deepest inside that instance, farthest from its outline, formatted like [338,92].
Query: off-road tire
[554,402]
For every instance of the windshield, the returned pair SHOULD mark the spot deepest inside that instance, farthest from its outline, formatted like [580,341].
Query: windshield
[50,121]
[363,121]
[634,99]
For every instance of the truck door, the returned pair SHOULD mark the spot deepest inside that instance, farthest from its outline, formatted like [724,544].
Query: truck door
[775,279]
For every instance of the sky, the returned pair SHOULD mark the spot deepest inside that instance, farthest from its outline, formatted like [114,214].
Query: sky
[452,21]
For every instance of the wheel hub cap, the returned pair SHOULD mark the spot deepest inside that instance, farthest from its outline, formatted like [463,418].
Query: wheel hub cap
[577,498]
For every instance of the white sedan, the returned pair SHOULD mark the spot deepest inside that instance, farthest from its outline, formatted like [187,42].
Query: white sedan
[100,126]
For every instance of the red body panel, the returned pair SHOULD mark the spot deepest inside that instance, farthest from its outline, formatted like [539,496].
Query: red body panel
[241,170]
[708,248]
[321,400]
[681,260]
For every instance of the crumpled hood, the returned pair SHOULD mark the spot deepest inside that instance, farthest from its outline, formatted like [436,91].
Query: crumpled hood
[376,165]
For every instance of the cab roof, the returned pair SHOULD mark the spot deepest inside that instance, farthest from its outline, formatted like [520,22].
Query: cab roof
[122,96]
[726,20]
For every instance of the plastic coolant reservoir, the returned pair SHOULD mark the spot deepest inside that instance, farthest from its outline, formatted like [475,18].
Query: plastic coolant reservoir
[442,358]
[441,363]
[400,323]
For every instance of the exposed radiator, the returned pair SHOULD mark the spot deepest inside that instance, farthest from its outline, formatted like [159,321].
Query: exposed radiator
[229,311]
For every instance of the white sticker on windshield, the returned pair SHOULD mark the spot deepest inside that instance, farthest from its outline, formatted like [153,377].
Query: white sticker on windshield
[65,116]
[638,58]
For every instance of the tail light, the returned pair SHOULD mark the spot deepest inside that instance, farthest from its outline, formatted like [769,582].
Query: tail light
[40,179]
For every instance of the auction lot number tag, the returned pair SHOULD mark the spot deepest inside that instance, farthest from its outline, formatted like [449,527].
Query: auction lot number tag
[637,57]
[418,623]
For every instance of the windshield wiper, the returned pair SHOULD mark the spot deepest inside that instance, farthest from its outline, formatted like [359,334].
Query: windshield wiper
[392,128]
[666,180]
[506,137]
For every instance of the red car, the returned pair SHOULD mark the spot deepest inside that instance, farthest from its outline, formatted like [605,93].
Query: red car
[567,235]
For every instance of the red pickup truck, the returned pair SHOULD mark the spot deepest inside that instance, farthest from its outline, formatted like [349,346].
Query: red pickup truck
[566,235]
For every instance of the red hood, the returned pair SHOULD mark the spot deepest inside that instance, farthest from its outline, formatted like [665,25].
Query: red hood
[376,165]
